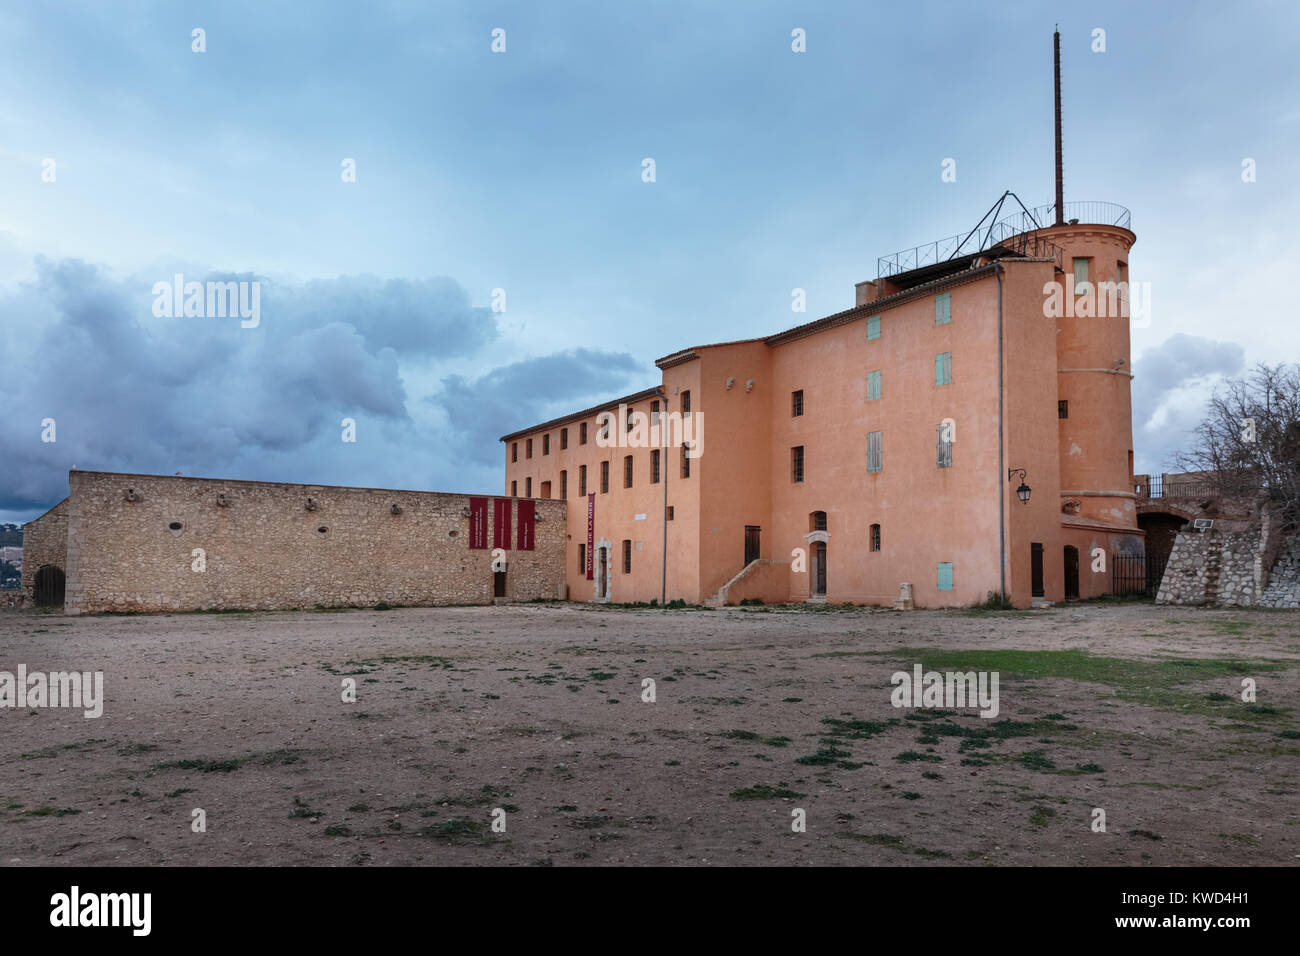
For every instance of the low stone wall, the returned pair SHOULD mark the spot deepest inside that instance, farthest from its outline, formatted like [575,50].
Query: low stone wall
[132,543]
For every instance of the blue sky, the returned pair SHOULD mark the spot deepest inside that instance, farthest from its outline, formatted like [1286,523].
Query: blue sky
[522,171]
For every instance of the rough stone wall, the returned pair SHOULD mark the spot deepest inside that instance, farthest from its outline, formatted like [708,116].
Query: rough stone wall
[1284,584]
[1220,566]
[45,541]
[263,549]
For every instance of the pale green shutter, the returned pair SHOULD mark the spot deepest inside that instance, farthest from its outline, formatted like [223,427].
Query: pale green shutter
[873,385]
[943,308]
[943,368]
[945,576]
[873,327]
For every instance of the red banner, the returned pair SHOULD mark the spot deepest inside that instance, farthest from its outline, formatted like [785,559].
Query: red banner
[501,523]
[527,517]
[591,536]
[478,523]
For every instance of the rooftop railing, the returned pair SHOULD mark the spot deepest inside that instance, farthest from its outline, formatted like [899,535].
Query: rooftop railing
[1004,233]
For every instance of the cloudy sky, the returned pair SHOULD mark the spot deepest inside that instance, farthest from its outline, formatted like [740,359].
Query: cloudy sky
[521,171]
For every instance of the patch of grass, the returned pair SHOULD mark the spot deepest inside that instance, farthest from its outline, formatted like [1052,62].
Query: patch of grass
[765,792]
[51,812]
[853,729]
[359,808]
[1145,833]
[1041,816]
[182,790]
[826,755]
[912,756]
[894,843]
[339,829]
[59,749]
[460,831]
[1036,760]
[1153,683]
[301,810]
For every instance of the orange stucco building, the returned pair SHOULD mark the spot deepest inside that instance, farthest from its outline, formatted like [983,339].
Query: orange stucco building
[880,446]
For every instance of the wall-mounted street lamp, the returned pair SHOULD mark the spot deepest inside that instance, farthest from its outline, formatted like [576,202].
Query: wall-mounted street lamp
[1023,491]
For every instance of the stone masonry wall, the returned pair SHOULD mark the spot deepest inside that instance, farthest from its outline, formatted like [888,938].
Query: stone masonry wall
[1284,584]
[45,541]
[1242,563]
[265,550]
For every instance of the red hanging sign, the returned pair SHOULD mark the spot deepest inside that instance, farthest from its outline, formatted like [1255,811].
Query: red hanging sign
[478,523]
[501,523]
[527,517]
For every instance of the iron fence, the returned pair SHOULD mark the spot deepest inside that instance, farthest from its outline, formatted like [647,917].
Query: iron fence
[1137,574]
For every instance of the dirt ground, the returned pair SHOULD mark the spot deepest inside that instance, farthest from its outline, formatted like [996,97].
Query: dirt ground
[538,711]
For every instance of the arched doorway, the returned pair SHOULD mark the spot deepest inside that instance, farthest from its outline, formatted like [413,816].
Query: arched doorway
[819,569]
[48,590]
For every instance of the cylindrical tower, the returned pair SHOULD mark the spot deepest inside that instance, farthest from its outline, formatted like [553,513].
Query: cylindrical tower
[1094,377]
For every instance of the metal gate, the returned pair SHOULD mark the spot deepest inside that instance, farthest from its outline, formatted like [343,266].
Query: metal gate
[1136,574]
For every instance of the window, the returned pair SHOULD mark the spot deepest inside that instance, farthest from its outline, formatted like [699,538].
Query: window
[546,444]
[564,438]
[514,451]
[514,489]
[796,462]
[686,403]
[819,521]
[873,385]
[796,403]
[582,433]
[875,537]
[873,327]
[654,466]
[945,575]
[1063,409]
[627,471]
[627,556]
[943,368]
[564,486]
[582,559]
[943,308]
[582,480]
[943,437]
[528,487]
[875,453]
[654,413]
[629,419]
[528,449]
[752,545]
[546,489]
[604,420]
[686,464]
[1081,276]
[604,477]
[670,512]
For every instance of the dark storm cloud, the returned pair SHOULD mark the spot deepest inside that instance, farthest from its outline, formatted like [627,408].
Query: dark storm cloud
[131,391]
[1182,362]
[533,391]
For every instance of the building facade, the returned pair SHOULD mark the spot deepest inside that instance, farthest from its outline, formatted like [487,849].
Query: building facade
[964,429]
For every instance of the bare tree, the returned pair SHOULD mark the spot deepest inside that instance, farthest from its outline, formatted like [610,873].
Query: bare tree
[1250,438]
